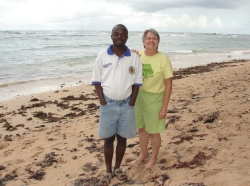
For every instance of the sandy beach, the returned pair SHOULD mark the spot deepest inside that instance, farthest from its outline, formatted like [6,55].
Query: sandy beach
[51,138]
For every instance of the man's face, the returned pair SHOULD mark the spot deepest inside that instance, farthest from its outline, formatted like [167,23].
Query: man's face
[119,36]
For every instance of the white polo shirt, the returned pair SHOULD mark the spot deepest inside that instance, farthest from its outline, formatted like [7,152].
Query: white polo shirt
[117,74]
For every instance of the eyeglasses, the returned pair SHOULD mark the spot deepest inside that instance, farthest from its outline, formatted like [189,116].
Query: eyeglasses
[151,38]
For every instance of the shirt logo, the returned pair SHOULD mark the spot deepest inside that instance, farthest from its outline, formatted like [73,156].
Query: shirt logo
[147,71]
[131,70]
[107,65]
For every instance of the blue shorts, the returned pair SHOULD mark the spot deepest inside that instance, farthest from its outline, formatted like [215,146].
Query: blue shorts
[117,117]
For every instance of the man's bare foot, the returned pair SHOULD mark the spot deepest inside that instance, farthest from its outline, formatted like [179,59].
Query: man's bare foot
[150,164]
[138,160]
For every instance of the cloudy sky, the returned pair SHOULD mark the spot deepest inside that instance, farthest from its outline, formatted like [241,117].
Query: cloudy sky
[206,16]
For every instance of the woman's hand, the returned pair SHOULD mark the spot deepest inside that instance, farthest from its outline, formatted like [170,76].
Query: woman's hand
[135,51]
[163,113]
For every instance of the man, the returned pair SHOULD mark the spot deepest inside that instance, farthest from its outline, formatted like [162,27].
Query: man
[117,76]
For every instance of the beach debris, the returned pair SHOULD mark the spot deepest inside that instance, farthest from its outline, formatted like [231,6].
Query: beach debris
[220,122]
[2,167]
[211,117]
[172,111]
[8,177]
[132,145]
[207,118]
[62,104]
[183,138]
[224,138]
[128,160]
[41,104]
[94,148]
[8,138]
[47,117]
[37,175]
[8,126]
[64,136]
[73,98]
[74,150]
[20,125]
[72,115]
[193,130]
[89,139]
[48,160]
[128,182]
[163,160]
[159,179]
[86,182]
[172,119]
[88,167]
[193,184]
[34,99]
[198,160]
[74,157]
[92,108]
[184,72]
[40,126]
[12,129]
[29,119]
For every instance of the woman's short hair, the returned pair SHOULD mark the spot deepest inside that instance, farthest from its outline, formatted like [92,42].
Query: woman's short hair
[152,31]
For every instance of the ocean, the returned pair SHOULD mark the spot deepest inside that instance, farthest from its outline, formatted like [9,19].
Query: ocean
[37,61]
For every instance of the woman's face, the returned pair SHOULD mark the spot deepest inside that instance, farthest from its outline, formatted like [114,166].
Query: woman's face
[151,41]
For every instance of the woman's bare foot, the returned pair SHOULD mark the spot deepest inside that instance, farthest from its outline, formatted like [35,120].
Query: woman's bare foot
[150,164]
[138,160]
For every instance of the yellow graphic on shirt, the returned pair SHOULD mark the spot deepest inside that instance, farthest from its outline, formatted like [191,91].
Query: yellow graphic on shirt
[147,71]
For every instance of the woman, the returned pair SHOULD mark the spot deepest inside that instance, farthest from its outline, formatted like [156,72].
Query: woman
[153,98]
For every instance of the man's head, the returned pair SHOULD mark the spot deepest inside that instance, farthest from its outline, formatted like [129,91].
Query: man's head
[119,35]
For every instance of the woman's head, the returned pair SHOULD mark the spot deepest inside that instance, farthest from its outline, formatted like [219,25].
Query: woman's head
[153,31]
[151,39]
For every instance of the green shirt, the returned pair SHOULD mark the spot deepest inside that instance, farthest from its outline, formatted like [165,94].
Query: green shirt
[156,68]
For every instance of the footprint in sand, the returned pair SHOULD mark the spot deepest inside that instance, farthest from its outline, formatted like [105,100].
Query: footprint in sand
[8,152]
[3,145]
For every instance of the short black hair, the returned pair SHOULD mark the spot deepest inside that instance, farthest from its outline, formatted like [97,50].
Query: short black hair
[120,25]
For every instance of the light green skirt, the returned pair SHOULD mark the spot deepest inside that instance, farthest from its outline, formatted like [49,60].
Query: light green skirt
[147,108]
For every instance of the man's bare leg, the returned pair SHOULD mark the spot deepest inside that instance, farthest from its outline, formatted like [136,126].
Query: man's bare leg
[108,152]
[120,150]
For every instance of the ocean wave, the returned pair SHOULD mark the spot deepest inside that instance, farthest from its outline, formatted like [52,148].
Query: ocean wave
[46,79]
[241,52]
[179,35]
[182,51]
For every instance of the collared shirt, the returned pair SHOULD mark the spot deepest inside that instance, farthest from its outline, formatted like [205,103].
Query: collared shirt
[117,74]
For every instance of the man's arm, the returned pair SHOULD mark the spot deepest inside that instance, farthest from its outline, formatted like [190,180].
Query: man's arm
[135,90]
[100,94]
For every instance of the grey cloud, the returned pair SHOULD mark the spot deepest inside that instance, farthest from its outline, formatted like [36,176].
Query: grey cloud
[16,1]
[157,5]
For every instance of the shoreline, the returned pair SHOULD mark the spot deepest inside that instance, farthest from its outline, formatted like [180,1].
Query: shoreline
[10,91]
[51,138]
